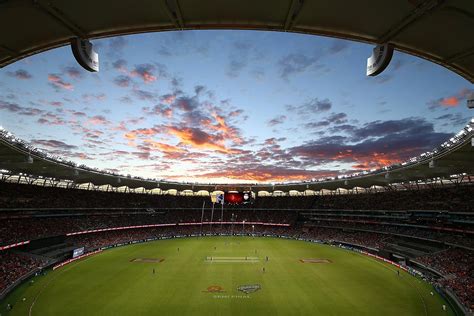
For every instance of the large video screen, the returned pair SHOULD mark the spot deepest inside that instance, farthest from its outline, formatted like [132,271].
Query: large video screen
[78,252]
[237,197]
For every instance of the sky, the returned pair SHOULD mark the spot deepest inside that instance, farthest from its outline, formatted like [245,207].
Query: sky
[231,106]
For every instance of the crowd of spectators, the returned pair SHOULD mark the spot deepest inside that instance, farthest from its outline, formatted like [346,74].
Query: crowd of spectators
[98,240]
[457,265]
[14,265]
[372,240]
[22,226]
[426,232]
[19,227]
[456,198]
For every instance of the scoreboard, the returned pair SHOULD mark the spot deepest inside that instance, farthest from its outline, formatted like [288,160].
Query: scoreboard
[78,252]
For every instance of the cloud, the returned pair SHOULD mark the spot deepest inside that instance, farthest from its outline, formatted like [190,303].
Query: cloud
[168,151]
[377,129]
[56,103]
[159,109]
[295,63]
[338,46]
[20,74]
[116,46]
[58,83]
[273,140]
[52,143]
[236,113]
[226,131]
[145,72]
[318,124]
[78,113]
[126,99]
[18,109]
[135,120]
[98,120]
[133,134]
[199,89]
[50,118]
[122,81]
[11,107]
[280,119]
[144,95]
[168,98]
[450,101]
[452,119]
[88,97]
[263,173]
[189,111]
[186,104]
[120,65]
[334,118]
[234,67]
[313,106]
[338,118]
[73,72]
[375,144]
[199,139]
[343,128]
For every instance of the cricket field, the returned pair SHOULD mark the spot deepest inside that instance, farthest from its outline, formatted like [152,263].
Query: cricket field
[226,276]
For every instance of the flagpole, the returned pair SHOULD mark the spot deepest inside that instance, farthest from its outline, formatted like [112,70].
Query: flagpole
[212,217]
[222,213]
[202,216]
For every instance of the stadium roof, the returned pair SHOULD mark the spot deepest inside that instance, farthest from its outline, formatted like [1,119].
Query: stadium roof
[451,158]
[436,30]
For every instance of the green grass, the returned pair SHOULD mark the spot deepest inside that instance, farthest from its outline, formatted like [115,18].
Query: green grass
[109,284]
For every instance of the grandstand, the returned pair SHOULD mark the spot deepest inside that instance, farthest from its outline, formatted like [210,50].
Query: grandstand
[395,240]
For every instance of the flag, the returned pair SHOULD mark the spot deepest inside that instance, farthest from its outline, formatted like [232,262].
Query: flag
[220,199]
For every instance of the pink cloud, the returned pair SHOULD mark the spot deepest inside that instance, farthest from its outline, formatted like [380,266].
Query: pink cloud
[57,82]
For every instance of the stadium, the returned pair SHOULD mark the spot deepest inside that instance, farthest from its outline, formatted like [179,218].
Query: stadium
[234,157]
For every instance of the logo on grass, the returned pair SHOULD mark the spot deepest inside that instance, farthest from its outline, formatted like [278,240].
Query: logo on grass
[249,288]
[214,289]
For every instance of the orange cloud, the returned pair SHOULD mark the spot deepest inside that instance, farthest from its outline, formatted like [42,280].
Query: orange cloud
[266,174]
[130,135]
[140,132]
[164,147]
[227,131]
[450,101]
[199,139]
[375,160]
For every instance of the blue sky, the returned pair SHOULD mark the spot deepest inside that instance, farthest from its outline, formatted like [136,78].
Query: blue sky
[227,106]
